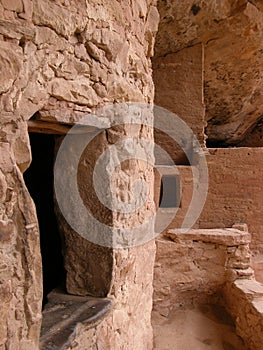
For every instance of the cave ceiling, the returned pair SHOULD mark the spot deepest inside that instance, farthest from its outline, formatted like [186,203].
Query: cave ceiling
[232,34]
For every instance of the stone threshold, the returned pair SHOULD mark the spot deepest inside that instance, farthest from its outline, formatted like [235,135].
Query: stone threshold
[63,312]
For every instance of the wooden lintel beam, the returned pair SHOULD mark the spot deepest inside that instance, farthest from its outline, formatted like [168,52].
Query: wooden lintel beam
[43,127]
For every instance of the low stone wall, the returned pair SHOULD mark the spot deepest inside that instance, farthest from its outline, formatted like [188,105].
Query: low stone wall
[210,265]
[244,300]
[194,265]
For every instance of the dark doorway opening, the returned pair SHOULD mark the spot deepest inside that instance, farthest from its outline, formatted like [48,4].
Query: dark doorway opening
[39,181]
[169,192]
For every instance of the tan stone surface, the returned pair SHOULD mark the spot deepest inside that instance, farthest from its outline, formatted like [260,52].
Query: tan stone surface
[257,264]
[20,268]
[132,294]
[191,267]
[244,301]
[235,191]
[185,188]
[88,266]
[124,274]
[227,237]
[178,79]
[11,64]
[231,32]
[56,56]
[63,58]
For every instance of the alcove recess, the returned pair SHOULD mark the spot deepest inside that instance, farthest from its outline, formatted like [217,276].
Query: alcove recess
[76,272]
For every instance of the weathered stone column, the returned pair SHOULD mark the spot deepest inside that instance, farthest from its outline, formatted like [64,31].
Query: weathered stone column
[112,253]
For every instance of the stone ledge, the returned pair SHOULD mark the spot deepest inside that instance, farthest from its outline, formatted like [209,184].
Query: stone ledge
[62,314]
[251,288]
[258,305]
[226,237]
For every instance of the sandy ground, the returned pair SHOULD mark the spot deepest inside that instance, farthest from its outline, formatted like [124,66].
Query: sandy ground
[198,328]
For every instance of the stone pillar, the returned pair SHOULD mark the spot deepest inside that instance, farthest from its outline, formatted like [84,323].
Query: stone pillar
[129,325]
[120,265]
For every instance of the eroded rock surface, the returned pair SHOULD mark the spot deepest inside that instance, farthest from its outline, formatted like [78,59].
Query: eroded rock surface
[20,268]
[231,32]
[60,60]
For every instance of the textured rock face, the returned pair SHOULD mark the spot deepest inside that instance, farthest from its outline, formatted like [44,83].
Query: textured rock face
[234,194]
[62,59]
[132,293]
[88,266]
[178,81]
[20,268]
[245,302]
[76,53]
[231,32]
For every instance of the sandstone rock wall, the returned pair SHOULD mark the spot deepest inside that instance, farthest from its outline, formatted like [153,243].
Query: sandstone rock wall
[209,266]
[185,192]
[57,56]
[178,81]
[60,60]
[231,32]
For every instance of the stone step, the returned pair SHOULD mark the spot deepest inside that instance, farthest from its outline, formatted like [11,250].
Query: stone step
[63,312]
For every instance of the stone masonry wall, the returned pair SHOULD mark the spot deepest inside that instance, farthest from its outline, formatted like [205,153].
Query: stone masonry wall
[59,60]
[234,193]
[210,265]
[244,300]
[193,266]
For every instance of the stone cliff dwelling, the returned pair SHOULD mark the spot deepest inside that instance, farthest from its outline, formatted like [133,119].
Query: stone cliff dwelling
[196,288]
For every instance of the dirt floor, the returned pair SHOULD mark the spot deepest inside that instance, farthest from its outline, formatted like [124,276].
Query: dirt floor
[195,328]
